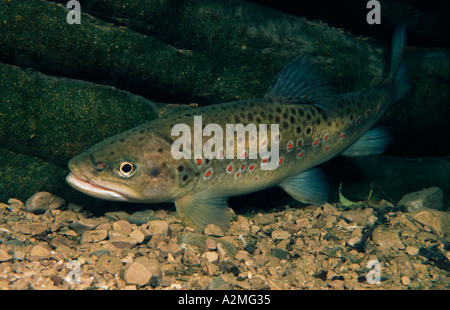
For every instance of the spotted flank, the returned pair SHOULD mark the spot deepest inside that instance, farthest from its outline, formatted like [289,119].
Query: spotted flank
[314,125]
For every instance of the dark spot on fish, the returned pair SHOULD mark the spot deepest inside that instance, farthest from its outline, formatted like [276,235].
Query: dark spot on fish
[160,150]
[112,153]
[308,130]
[142,131]
[292,120]
[270,118]
[207,161]
[285,125]
[277,119]
[122,140]
[298,129]
[237,119]
[185,177]
[250,117]
[293,111]
[258,120]
[278,109]
[188,114]
[180,168]
[154,172]
[141,138]
[308,116]
[318,121]
[301,112]
[351,117]
[285,115]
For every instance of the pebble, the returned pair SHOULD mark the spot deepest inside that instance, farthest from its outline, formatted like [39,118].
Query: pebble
[211,257]
[158,227]
[122,242]
[279,234]
[138,235]
[86,224]
[213,230]
[39,252]
[437,221]
[432,198]
[43,201]
[142,217]
[137,274]
[411,250]
[387,240]
[406,280]
[123,226]
[264,219]
[5,256]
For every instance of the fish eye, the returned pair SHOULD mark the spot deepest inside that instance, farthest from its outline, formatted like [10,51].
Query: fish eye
[126,169]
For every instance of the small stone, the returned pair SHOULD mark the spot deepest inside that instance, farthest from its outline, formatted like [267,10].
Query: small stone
[412,250]
[98,235]
[213,230]
[387,239]
[303,222]
[337,284]
[264,219]
[406,280]
[117,215]
[5,256]
[358,216]
[174,248]
[211,245]
[122,242]
[279,234]
[211,257]
[431,198]
[39,252]
[109,264]
[191,258]
[138,235]
[158,227]
[43,201]
[137,274]
[122,225]
[87,224]
[142,217]
[16,204]
[437,221]
[60,240]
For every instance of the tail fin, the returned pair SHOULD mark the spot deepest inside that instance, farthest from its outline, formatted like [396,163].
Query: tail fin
[398,73]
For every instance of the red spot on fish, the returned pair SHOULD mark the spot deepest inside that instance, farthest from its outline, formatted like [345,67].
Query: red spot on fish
[367,113]
[342,135]
[354,134]
[316,142]
[242,167]
[326,148]
[325,138]
[309,156]
[208,174]
[264,142]
[378,109]
[299,143]
[300,155]
[289,146]
[199,161]
[264,160]
[290,165]
[357,120]
[251,167]
[268,173]
[281,160]
[230,168]
[256,179]
[244,155]
[237,175]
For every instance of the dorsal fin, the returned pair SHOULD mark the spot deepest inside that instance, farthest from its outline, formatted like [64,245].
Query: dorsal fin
[300,83]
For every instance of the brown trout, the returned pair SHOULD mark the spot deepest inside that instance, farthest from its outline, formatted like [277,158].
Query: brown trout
[313,125]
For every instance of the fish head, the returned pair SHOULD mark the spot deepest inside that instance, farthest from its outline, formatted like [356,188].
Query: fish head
[134,167]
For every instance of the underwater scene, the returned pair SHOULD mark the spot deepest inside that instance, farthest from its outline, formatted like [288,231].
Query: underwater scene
[224,145]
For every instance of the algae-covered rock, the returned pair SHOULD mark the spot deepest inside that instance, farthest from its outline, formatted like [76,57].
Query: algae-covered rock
[56,118]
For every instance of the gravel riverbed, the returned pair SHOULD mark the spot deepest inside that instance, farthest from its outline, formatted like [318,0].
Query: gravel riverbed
[46,243]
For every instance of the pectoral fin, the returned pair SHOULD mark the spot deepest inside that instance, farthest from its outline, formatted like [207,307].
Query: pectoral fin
[310,186]
[200,210]
[374,141]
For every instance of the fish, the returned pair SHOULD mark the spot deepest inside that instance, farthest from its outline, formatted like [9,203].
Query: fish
[313,125]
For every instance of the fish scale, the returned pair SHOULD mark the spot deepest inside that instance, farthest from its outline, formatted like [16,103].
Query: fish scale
[314,125]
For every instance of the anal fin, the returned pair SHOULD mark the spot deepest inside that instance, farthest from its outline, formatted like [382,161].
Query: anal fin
[200,210]
[374,141]
[310,186]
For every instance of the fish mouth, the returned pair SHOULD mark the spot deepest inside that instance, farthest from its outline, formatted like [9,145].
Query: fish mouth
[89,188]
